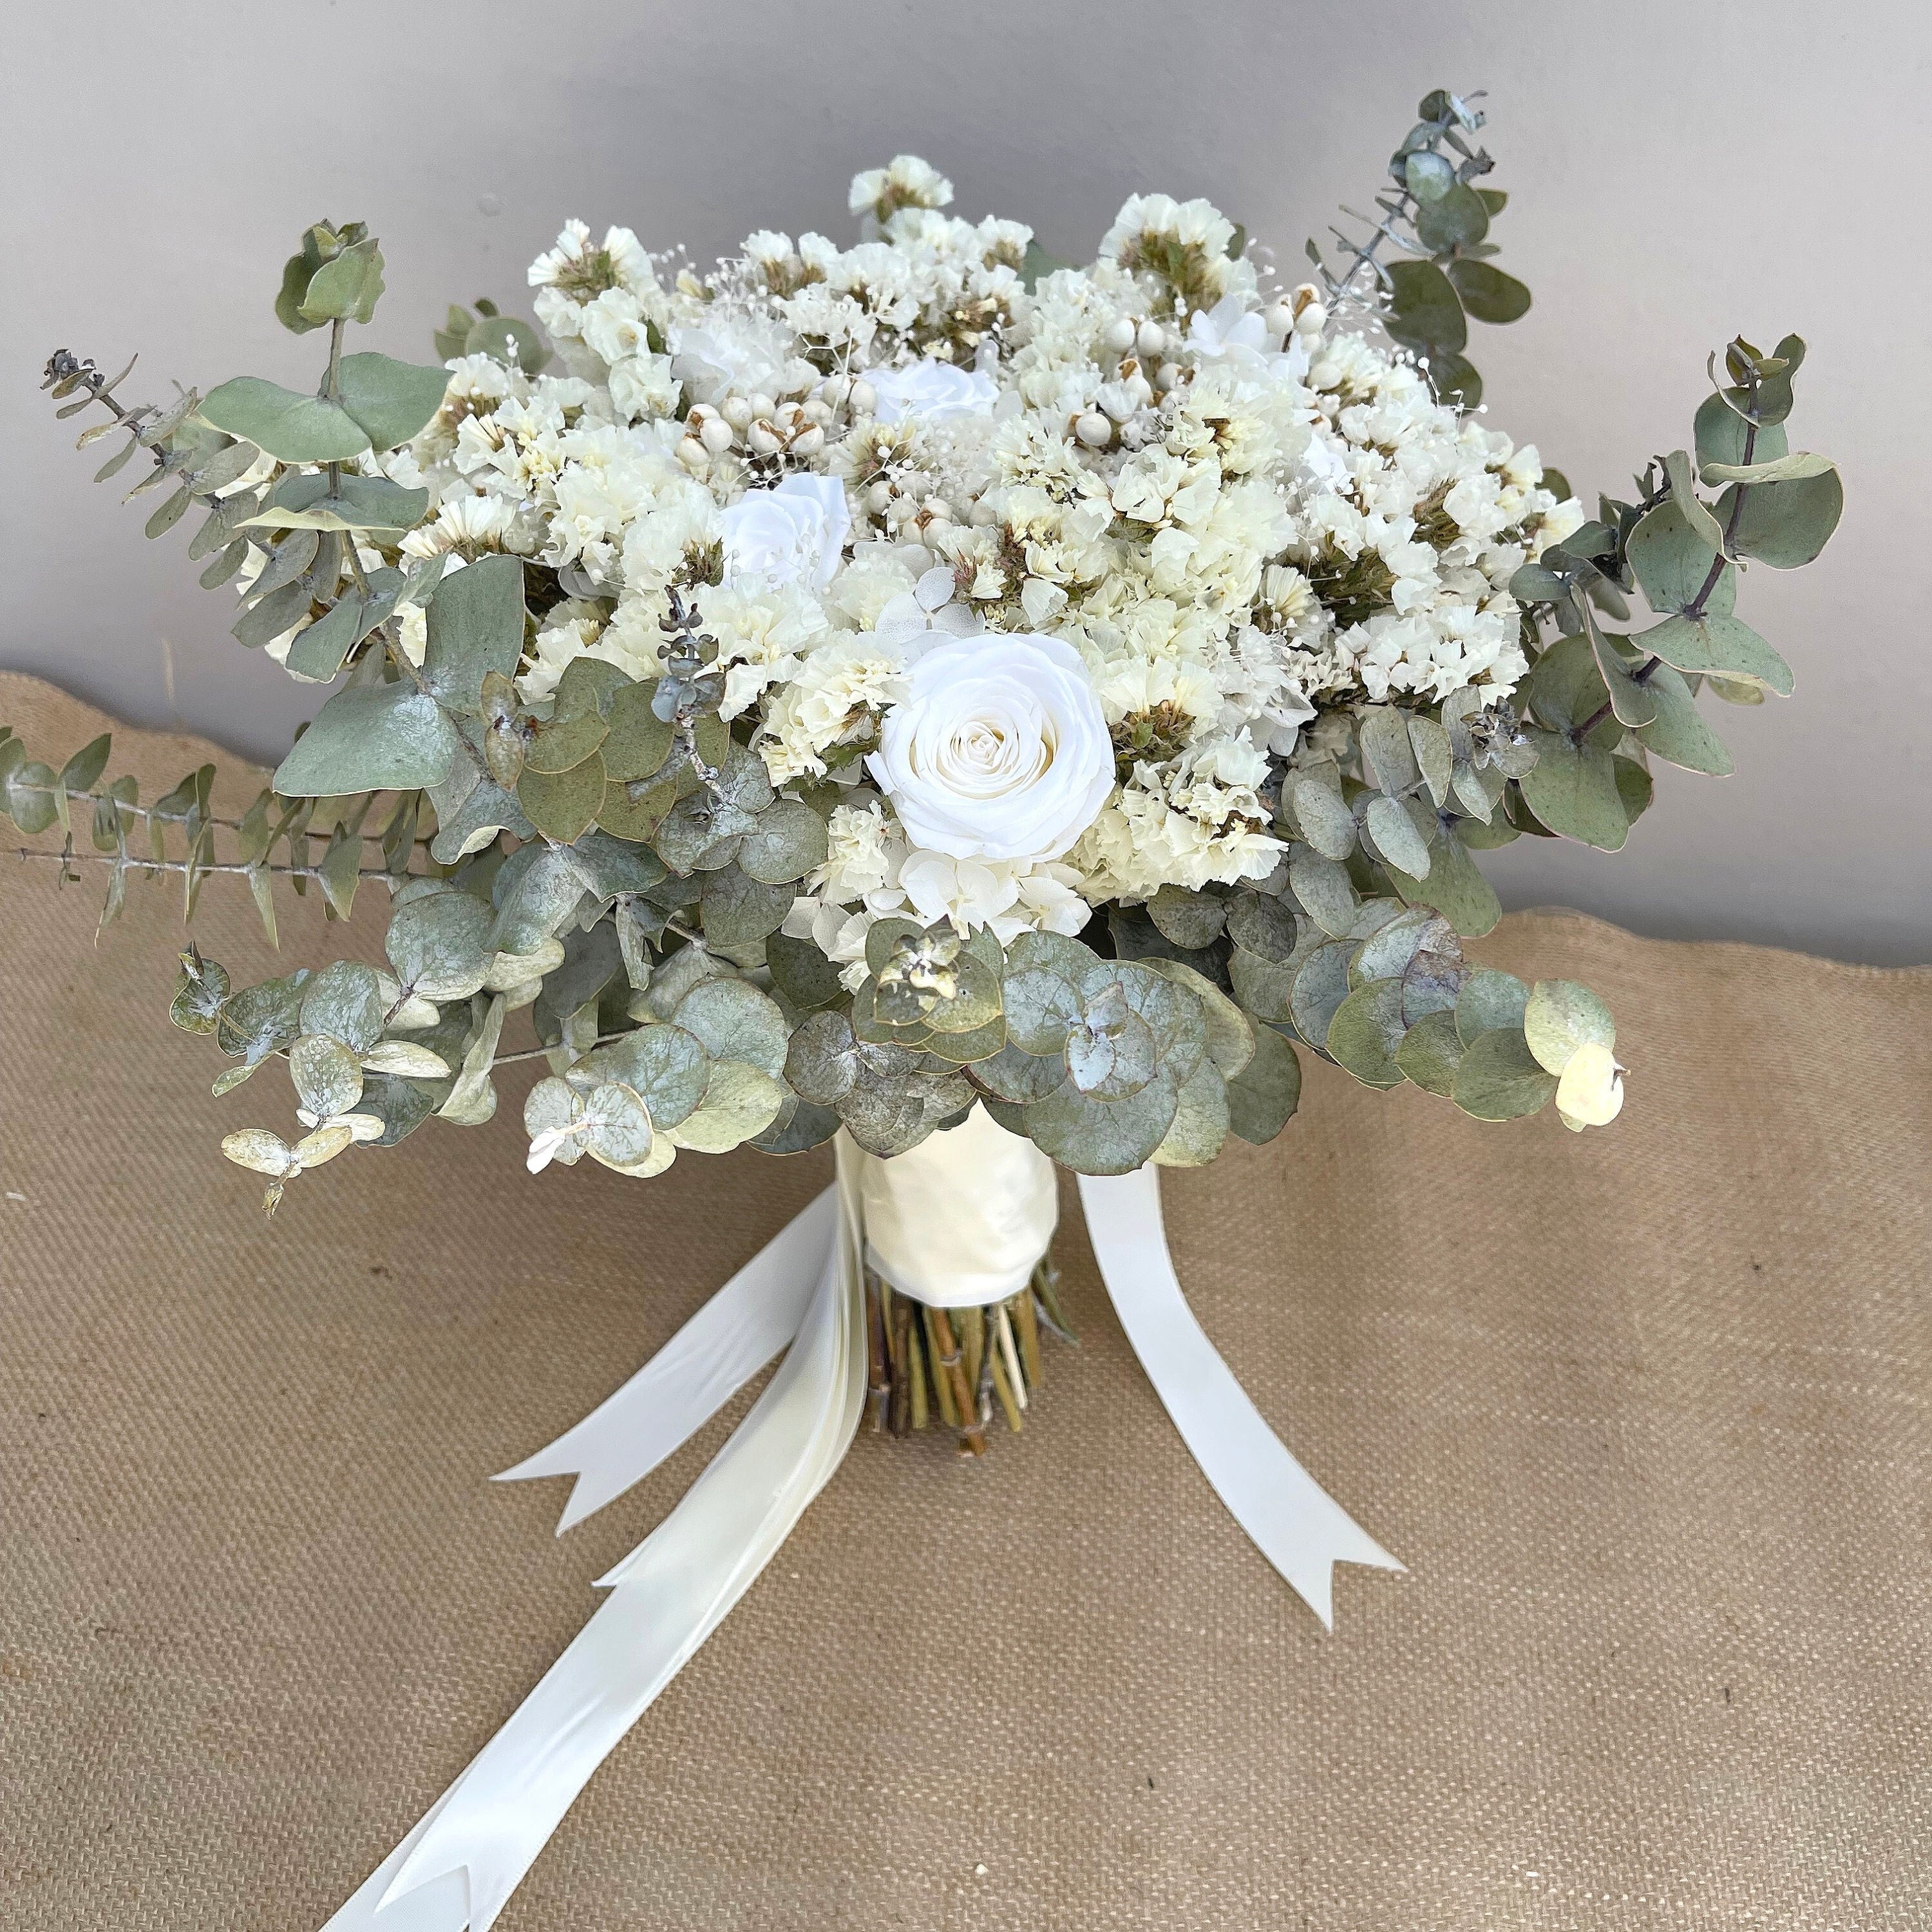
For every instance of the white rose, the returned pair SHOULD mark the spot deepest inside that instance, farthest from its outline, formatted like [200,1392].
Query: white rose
[999,749]
[794,533]
[932,390]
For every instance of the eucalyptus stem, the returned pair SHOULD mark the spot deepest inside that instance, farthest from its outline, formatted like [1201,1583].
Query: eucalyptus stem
[128,861]
[154,815]
[1694,610]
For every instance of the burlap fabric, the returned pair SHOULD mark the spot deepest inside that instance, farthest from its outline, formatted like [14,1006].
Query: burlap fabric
[1645,1411]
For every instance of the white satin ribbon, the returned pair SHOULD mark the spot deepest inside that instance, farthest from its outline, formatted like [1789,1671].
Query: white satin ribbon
[459,1866]
[962,1219]
[1294,1522]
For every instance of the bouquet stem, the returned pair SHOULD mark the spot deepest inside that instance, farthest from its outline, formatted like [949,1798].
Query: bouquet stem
[957,1367]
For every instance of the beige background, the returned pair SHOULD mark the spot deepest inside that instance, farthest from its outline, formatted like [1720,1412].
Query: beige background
[1683,170]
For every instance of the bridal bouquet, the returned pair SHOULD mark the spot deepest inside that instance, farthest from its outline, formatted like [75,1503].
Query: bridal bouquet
[990,711]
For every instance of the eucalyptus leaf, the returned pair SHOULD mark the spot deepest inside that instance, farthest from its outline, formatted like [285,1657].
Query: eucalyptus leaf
[733,1020]
[1490,1000]
[1430,1052]
[288,426]
[390,401]
[1263,1096]
[1562,1017]
[738,909]
[1572,790]
[1366,1030]
[1201,1119]
[344,1000]
[1498,1078]
[1323,890]
[1487,293]
[1325,820]
[740,1102]
[1678,734]
[1103,1136]
[475,626]
[370,738]
[1725,645]
[1783,524]
[1320,985]
[437,945]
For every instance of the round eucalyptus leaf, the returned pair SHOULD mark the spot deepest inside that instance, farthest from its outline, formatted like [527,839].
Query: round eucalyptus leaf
[1323,890]
[1110,1051]
[1264,925]
[553,1113]
[801,973]
[1365,1031]
[260,1152]
[1103,1136]
[1487,293]
[1201,1121]
[1490,1000]
[518,969]
[1231,1034]
[739,1104]
[345,1000]
[1430,1052]
[669,1068]
[617,1127]
[1498,1078]
[1456,218]
[1397,842]
[1262,986]
[1020,1077]
[1040,1007]
[1561,1017]
[1263,1096]
[1591,1092]
[822,1063]
[1320,984]
[328,1077]
[808,1126]
[563,805]
[739,909]
[1385,954]
[1190,919]
[787,842]
[733,1020]
[1784,524]
[1426,312]
[405,1059]
[261,1020]
[1326,822]
[435,945]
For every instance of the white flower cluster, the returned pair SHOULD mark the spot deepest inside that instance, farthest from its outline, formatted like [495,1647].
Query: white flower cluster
[1234,513]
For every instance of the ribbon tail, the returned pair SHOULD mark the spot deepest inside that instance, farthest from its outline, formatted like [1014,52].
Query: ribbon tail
[694,1374]
[1295,1524]
[461,1864]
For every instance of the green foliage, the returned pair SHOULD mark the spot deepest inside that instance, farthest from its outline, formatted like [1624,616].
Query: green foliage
[502,337]
[1601,703]
[1439,221]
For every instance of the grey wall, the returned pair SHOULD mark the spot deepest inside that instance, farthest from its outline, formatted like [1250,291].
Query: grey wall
[1668,192]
